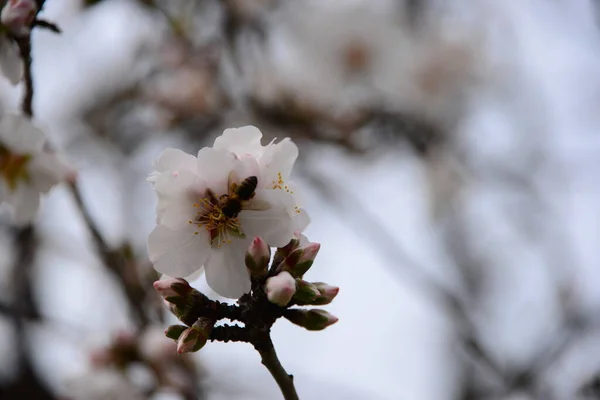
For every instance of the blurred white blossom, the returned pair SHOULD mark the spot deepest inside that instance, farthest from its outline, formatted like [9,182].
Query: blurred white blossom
[102,384]
[154,346]
[210,207]
[10,61]
[26,168]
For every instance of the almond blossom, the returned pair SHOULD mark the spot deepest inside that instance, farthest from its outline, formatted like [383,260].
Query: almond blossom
[16,18]
[10,61]
[205,220]
[26,168]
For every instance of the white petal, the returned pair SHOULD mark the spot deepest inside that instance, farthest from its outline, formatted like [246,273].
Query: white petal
[245,167]
[177,195]
[178,253]
[278,158]
[301,220]
[173,160]
[214,166]
[25,201]
[275,224]
[244,140]
[47,170]
[10,61]
[20,135]
[226,271]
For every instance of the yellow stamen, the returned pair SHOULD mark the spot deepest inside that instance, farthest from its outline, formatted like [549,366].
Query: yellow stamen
[13,167]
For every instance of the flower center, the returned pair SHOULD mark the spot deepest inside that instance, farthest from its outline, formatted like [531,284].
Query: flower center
[13,167]
[213,218]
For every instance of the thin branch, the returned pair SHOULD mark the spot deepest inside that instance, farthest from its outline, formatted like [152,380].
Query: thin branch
[284,380]
[24,44]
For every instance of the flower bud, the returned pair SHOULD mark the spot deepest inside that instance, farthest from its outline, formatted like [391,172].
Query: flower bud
[280,288]
[173,290]
[195,337]
[300,260]
[174,331]
[18,15]
[257,257]
[182,300]
[306,292]
[326,293]
[282,252]
[313,320]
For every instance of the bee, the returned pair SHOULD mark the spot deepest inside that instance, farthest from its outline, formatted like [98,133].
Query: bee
[231,204]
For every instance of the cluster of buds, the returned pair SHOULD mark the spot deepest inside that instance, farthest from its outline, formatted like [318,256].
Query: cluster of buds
[275,291]
[286,286]
[188,305]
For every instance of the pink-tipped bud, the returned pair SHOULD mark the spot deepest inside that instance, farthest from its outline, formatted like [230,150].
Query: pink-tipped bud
[185,302]
[326,293]
[195,337]
[300,260]
[18,15]
[306,292]
[280,288]
[285,251]
[257,257]
[172,287]
[313,320]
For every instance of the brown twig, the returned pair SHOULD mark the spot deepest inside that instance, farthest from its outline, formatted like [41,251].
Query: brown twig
[24,44]
[284,380]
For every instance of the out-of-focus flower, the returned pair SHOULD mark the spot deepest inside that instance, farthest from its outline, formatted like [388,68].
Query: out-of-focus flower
[363,55]
[17,16]
[26,168]
[10,60]
[102,384]
[281,288]
[211,207]
[154,346]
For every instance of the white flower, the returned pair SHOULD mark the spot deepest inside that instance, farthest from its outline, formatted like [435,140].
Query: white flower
[26,169]
[275,163]
[10,60]
[102,384]
[198,223]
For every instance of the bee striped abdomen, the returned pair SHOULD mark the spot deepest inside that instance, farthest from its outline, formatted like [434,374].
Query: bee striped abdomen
[246,189]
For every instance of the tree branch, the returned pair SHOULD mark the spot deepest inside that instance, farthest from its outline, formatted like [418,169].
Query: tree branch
[284,380]
[24,44]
